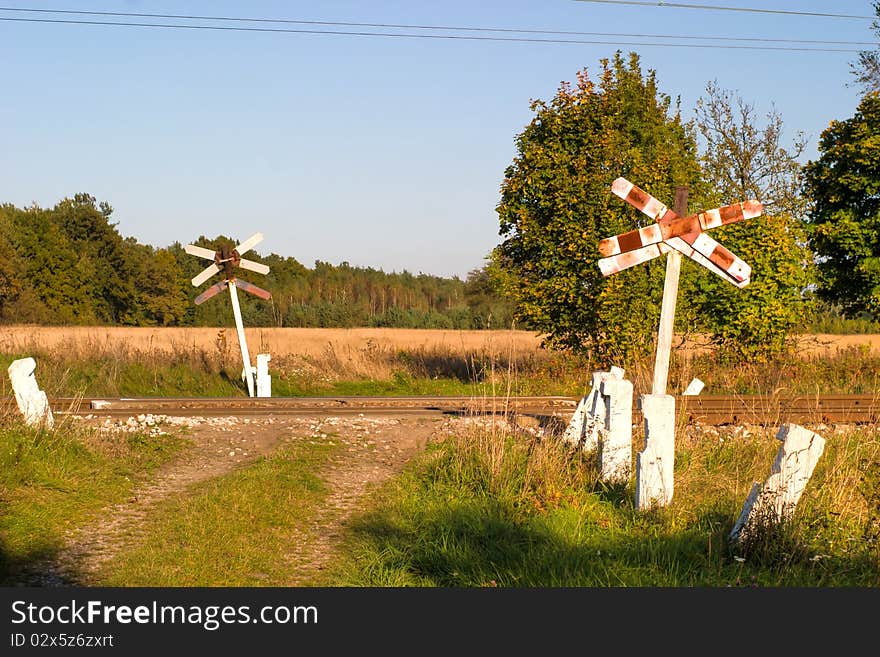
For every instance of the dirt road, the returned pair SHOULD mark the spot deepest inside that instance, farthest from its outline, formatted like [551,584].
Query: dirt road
[373,449]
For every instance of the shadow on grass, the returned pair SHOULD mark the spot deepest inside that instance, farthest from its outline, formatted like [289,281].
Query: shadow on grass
[33,569]
[479,545]
[619,494]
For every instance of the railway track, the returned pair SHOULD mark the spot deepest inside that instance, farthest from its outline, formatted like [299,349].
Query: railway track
[703,409]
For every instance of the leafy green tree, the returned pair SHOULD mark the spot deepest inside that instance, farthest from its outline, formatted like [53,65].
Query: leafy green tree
[744,160]
[556,205]
[844,221]
[104,260]
[488,309]
[52,267]
[11,269]
[285,278]
[162,289]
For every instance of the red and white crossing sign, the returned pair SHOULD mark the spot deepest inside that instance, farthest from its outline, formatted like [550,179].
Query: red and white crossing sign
[684,234]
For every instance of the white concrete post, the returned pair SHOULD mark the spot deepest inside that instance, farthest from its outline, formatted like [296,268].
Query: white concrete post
[776,500]
[602,421]
[32,402]
[264,381]
[615,444]
[654,468]
[577,425]
[589,416]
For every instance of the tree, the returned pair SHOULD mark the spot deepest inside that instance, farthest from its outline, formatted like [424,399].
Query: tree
[11,270]
[741,161]
[487,308]
[866,68]
[163,292]
[52,267]
[556,205]
[104,261]
[844,220]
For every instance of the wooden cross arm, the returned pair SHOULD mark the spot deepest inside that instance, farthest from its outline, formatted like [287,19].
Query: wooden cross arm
[671,225]
[684,234]
[736,272]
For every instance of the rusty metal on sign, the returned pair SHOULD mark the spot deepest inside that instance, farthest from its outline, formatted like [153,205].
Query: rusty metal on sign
[669,231]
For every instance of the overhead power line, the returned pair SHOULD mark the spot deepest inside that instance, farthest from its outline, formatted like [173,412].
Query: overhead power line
[187,17]
[460,37]
[757,10]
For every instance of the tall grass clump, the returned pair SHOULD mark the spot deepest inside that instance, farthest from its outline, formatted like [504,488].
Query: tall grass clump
[829,319]
[77,368]
[850,370]
[495,507]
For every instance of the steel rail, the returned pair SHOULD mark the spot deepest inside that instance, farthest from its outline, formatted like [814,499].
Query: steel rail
[702,409]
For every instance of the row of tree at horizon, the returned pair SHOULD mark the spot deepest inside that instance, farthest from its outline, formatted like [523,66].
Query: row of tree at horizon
[69,265]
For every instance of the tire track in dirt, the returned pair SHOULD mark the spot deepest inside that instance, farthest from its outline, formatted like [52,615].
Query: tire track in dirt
[376,448]
[373,449]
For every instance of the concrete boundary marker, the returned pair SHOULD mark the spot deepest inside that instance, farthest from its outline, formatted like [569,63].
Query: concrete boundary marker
[776,499]
[32,402]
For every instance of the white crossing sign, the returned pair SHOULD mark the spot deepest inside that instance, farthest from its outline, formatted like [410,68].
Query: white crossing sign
[226,260]
[684,234]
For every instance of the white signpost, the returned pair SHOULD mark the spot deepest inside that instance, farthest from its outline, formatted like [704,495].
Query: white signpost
[674,234]
[226,260]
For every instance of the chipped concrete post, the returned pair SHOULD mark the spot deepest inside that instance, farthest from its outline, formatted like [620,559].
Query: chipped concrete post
[582,426]
[602,421]
[589,416]
[776,500]
[654,467]
[32,402]
[264,381]
[615,443]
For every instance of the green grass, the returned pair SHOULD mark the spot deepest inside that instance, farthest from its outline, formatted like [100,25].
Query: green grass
[239,529]
[501,511]
[479,509]
[133,375]
[51,481]
[832,322]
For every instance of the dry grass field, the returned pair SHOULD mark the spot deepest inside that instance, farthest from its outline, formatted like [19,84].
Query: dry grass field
[315,342]
[276,341]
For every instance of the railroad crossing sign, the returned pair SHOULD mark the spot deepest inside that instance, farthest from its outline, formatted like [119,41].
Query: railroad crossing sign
[684,234]
[674,233]
[226,260]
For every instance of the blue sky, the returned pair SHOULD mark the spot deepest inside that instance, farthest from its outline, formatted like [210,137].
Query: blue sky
[379,151]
